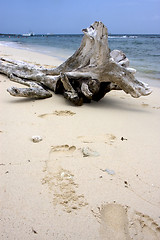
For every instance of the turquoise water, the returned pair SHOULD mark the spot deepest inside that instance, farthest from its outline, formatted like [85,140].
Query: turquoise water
[143,51]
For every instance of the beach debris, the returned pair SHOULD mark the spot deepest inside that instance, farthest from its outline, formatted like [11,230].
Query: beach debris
[34,231]
[124,139]
[126,184]
[88,152]
[109,171]
[91,72]
[36,139]
[66,175]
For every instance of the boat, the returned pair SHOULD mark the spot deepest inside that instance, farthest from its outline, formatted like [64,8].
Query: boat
[28,34]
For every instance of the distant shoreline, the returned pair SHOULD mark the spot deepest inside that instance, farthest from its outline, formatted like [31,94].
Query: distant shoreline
[54,34]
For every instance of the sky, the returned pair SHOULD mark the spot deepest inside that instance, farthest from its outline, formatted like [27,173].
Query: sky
[71,16]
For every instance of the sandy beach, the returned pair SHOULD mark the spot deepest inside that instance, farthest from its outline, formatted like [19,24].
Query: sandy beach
[95,174]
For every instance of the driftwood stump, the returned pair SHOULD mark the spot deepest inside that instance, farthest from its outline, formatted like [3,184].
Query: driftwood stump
[91,72]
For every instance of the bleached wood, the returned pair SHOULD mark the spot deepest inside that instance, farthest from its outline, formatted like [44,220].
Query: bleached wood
[88,74]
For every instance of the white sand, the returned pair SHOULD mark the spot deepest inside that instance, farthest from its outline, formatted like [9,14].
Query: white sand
[50,191]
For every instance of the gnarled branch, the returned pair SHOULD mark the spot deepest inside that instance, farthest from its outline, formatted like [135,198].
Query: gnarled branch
[87,75]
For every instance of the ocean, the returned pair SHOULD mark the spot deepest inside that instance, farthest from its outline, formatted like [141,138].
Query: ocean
[143,51]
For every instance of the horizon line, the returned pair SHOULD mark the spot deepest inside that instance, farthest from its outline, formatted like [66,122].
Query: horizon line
[52,34]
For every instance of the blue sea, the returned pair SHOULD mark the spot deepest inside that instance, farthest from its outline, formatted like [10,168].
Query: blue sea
[143,51]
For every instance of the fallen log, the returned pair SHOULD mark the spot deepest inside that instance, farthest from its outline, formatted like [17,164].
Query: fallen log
[91,72]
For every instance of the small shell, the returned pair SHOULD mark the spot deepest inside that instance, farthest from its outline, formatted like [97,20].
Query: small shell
[36,139]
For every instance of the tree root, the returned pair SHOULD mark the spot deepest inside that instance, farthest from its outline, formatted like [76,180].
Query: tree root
[87,75]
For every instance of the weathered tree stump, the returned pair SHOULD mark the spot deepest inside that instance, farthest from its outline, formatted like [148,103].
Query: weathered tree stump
[91,72]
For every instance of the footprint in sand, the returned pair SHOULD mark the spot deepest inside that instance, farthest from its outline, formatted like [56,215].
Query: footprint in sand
[145,105]
[110,139]
[64,113]
[58,152]
[57,113]
[114,223]
[60,181]
[86,139]
[63,190]
[143,227]
[119,223]
[106,138]
[63,149]
[156,107]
